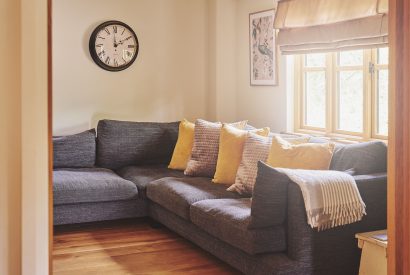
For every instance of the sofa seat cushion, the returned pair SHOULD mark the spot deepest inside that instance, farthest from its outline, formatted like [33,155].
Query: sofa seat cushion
[141,176]
[90,185]
[228,219]
[178,194]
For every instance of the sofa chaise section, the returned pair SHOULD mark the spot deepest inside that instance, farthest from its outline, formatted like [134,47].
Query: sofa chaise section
[85,185]
[86,188]
[93,194]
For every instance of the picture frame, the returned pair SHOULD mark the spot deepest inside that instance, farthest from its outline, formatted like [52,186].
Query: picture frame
[262,49]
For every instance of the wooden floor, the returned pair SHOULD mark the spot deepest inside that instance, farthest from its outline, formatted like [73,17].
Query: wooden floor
[129,247]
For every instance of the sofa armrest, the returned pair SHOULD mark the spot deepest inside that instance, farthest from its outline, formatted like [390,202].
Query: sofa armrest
[336,248]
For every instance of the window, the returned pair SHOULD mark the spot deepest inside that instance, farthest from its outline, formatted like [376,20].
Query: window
[343,93]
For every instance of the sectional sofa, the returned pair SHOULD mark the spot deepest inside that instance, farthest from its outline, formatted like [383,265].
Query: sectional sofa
[122,173]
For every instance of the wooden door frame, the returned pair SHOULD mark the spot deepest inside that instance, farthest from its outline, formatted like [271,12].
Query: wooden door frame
[50,132]
[399,138]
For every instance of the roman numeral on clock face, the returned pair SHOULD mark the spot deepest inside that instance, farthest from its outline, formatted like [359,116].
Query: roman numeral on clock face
[107,60]
[114,28]
[115,63]
[107,31]
[131,46]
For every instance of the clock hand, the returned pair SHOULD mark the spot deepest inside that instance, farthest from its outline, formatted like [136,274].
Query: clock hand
[122,41]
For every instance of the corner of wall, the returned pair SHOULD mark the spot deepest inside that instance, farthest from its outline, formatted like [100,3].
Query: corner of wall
[211,61]
[222,63]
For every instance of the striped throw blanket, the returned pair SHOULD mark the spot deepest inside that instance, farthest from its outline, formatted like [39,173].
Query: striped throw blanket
[331,197]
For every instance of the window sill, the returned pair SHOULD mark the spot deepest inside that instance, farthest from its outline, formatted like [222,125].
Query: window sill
[336,137]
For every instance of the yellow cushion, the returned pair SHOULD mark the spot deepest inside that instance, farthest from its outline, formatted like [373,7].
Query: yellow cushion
[310,156]
[183,147]
[231,142]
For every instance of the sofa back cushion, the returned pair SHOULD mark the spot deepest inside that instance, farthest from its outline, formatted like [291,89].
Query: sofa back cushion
[364,158]
[269,200]
[123,143]
[74,151]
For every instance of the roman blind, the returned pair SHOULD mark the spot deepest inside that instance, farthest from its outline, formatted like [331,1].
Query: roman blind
[307,26]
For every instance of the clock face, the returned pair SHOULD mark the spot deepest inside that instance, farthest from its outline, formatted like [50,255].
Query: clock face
[113,46]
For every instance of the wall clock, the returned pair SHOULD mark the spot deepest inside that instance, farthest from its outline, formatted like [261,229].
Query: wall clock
[114,46]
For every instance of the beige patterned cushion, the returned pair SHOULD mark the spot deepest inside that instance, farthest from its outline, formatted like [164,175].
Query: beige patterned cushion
[256,149]
[206,146]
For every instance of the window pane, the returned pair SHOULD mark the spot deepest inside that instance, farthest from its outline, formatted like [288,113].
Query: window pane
[383,56]
[382,102]
[315,108]
[351,58]
[315,60]
[351,101]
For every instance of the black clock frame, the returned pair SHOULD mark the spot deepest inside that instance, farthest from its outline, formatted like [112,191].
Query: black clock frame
[94,54]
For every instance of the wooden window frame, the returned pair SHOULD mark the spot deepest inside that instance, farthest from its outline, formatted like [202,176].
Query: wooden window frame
[332,69]
[377,67]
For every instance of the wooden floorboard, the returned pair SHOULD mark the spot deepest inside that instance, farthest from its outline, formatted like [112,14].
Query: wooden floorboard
[129,247]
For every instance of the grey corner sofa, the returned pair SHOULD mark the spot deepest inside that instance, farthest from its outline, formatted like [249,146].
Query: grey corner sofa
[122,173]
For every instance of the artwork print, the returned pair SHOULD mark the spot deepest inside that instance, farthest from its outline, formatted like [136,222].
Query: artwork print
[263,48]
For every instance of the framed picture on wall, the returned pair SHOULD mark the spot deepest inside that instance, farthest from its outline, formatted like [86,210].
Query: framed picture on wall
[262,45]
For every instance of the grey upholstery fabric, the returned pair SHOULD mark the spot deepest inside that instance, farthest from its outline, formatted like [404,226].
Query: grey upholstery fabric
[141,176]
[122,143]
[269,200]
[99,211]
[178,194]
[260,264]
[309,252]
[90,185]
[335,251]
[228,219]
[364,158]
[74,151]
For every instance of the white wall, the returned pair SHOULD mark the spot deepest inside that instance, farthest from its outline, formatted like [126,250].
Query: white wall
[167,82]
[231,95]
[193,62]
[222,53]
[261,105]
